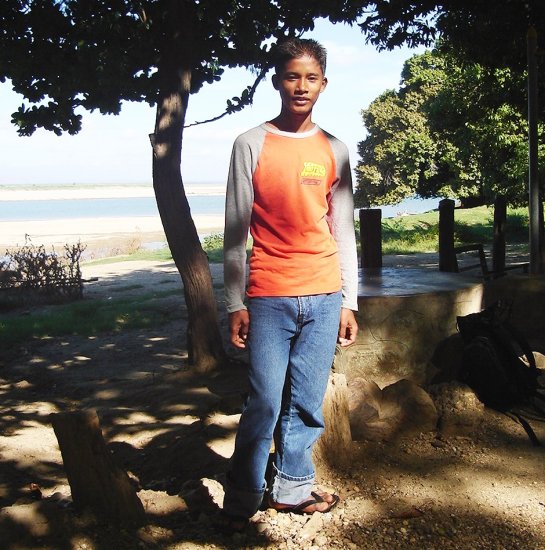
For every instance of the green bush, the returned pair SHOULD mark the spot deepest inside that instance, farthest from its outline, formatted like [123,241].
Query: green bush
[213,246]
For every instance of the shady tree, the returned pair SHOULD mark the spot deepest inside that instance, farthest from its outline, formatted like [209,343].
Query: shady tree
[505,34]
[65,56]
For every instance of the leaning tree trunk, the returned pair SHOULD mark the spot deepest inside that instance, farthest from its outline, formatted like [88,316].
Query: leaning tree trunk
[203,336]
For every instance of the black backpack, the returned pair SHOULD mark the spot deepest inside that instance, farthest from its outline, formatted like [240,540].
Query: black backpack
[492,366]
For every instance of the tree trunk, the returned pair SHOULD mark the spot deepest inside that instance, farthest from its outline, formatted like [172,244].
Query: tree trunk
[95,480]
[203,336]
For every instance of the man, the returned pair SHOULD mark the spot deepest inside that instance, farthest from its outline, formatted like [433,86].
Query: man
[290,185]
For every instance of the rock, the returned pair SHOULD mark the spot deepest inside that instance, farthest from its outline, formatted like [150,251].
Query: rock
[539,359]
[399,410]
[202,495]
[410,408]
[373,397]
[312,527]
[460,411]
[159,503]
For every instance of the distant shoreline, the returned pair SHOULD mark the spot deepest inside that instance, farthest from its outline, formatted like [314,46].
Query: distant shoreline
[96,191]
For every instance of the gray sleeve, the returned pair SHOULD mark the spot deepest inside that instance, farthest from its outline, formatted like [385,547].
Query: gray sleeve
[238,211]
[341,222]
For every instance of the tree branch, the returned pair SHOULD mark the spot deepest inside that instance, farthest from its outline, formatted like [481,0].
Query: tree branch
[236,104]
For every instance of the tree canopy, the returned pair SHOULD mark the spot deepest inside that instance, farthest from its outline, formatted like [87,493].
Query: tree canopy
[492,34]
[465,136]
[453,129]
[73,55]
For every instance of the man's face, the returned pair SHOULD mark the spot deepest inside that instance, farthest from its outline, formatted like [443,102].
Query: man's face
[300,84]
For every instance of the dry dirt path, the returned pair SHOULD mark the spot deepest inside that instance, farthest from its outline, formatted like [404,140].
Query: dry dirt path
[173,432]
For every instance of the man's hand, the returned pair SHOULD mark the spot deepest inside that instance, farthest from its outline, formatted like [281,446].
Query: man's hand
[348,328]
[239,324]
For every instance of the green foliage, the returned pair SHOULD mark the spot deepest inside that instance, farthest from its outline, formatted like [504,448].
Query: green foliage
[454,129]
[64,56]
[213,246]
[491,34]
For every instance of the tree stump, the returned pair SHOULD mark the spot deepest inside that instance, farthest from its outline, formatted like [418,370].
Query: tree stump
[96,482]
[334,448]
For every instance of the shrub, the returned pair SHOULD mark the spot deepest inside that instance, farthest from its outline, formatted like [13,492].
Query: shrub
[31,273]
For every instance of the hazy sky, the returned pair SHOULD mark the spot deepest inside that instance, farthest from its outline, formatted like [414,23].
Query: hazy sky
[115,149]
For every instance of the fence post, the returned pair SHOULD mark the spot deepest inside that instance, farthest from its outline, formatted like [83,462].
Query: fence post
[371,237]
[498,244]
[447,258]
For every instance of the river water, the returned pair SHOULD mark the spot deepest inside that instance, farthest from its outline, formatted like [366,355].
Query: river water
[205,203]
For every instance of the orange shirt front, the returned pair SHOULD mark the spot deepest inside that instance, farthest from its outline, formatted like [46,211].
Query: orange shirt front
[294,253]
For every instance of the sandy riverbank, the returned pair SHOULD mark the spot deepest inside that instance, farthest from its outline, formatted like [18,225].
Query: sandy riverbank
[92,230]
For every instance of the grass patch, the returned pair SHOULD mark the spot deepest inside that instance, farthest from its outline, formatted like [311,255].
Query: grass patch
[420,232]
[404,235]
[127,288]
[160,255]
[212,244]
[88,318]
[409,238]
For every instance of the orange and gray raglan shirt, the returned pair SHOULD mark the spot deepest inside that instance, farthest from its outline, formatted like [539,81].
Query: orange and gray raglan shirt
[293,192]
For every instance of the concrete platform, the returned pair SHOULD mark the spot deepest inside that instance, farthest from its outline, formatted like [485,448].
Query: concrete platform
[403,315]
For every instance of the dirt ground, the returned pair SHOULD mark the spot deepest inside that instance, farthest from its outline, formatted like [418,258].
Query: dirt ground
[173,433]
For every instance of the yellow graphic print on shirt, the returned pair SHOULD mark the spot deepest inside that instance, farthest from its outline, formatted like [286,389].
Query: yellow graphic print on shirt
[312,173]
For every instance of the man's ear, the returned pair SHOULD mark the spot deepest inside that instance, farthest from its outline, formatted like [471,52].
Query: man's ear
[324,84]
[275,81]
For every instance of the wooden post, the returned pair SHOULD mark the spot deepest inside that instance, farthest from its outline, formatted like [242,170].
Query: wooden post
[371,237]
[498,245]
[96,482]
[334,448]
[447,258]
[542,232]
[534,204]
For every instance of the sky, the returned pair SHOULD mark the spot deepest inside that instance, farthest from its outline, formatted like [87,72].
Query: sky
[115,149]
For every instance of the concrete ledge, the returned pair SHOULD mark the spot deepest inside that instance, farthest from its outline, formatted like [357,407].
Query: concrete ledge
[403,315]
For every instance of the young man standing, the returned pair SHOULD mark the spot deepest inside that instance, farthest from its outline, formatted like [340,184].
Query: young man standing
[290,185]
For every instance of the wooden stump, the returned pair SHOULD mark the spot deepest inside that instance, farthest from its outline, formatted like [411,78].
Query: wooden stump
[96,482]
[334,448]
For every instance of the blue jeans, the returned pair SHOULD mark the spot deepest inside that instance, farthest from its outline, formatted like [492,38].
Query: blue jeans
[292,345]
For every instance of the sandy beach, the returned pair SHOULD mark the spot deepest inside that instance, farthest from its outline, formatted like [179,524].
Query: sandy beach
[93,231]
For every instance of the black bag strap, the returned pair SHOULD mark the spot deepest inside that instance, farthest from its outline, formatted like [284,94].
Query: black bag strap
[517,417]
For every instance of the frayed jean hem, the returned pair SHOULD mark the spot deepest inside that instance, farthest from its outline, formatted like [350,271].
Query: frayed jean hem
[290,490]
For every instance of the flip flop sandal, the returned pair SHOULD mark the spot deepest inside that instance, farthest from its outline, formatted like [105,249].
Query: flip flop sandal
[301,508]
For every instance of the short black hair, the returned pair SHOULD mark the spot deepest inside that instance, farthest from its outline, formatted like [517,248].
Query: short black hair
[293,48]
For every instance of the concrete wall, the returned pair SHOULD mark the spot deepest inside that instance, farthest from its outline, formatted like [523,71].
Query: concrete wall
[399,333]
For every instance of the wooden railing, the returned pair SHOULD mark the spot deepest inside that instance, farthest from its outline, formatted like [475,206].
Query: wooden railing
[371,241]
